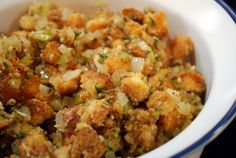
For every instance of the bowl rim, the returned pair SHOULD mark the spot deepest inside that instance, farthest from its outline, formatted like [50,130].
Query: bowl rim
[227,118]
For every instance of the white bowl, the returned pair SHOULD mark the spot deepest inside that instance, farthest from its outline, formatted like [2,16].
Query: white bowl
[214,36]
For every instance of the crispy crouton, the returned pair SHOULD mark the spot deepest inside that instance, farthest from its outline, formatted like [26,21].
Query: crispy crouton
[135,87]
[157,24]
[134,14]
[94,82]
[56,16]
[86,143]
[76,20]
[66,83]
[4,123]
[39,111]
[67,119]
[10,89]
[133,28]
[101,21]
[171,120]
[182,47]
[96,114]
[35,145]
[114,62]
[31,87]
[192,81]
[141,131]
[51,54]
[62,152]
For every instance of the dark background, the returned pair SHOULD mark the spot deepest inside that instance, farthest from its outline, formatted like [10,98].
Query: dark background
[224,146]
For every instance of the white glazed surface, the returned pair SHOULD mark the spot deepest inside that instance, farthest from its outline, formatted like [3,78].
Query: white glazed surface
[214,36]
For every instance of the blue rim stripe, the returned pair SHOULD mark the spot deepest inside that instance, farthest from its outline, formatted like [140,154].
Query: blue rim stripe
[227,8]
[227,117]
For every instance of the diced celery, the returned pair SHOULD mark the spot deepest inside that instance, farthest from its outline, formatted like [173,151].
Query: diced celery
[42,35]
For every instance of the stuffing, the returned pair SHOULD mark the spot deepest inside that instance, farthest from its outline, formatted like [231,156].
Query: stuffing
[113,84]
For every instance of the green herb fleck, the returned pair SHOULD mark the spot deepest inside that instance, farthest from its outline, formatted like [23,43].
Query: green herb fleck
[98,89]
[155,42]
[77,98]
[21,135]
[151,56]
[27,60]
[6,66]
[30,74]
[152,21]
[102,56]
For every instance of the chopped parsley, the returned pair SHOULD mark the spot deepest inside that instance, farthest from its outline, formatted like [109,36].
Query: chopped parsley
[152,21]
[6,66]
[98,89]
[21,135]
[155,42]
[102,56]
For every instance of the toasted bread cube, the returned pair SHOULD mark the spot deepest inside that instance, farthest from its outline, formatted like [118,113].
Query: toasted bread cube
[39,111]
[135,87]
[76,20]
[35,145]
[134,14]
[182,47]
[86,143]
[94,83]
[51,54]
[66,83]
[192,81]
[157,24]
[115,62]
[141,131]
[96,114]
[99,22]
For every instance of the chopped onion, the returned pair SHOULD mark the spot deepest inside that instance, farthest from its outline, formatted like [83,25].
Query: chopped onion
[24,112]
[117,76]
[100,67]
[45,90]
[41,23]
[60,124]
[64,50]
[137,64]
[71,74]
[184,108]
[121,98]
[89,53]
[143,45]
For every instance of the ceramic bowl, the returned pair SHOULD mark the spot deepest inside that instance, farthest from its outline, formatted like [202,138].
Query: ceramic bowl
[214,34]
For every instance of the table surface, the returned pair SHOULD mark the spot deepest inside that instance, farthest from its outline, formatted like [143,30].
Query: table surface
[224,146]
